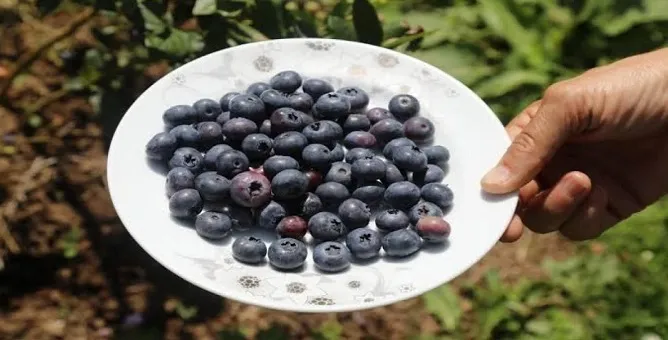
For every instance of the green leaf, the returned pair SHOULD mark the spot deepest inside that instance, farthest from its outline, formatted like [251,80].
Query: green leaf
[330,330]
[178,43]
[510,81]
[205,7]
[341,9]
[249,31]
[613,23]
[367,26]
[152,22]
[443,302]
[340,28]
[268,19]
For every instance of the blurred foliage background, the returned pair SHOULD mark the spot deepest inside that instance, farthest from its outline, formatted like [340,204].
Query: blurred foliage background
[508,51]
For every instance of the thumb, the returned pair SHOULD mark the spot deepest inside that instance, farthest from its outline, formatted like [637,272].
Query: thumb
[532,148]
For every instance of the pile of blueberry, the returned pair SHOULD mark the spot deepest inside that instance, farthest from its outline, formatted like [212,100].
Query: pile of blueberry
[313,161]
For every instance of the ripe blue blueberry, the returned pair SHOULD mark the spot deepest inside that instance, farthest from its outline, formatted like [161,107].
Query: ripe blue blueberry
[236,129]
[433,174]
[290,143]
[358,98]
[286,119]
[287,253]
[358,153]
[391,220]
[249,189]
[317,156]
[231,162]
[210,133]
[324,132]
[257,146]
[337,153]
[249,249]
[317,87]
[265,128]
[311,205]
[274,99]
[359,139]
[402,195]
[401,243]
[363,243]
[433,229]
[409,158]
[331,256]
[387,130]
[289,184]
[370,193]
[207,110]
[178,179]
[356,122]
[437,193]
[377,114]
[419,129]
[270,215]
[256,89]
[213,153]
[161,146]
[286,81]
[225,100]
[188,158]
[389,148]
[437,155]
[247,106]
[393,174]
[340,172]
[332,194]
[185,203]
[213,225]
[354,213]
[325,226]
[404,106]
[242,218]
[423,209]
[179,115]
[368,169]
[301,101]
[332,105]
[275,164]
[186,135]
[212,187]
[223,118]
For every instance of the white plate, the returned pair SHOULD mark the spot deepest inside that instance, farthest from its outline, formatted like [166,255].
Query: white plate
[464,124]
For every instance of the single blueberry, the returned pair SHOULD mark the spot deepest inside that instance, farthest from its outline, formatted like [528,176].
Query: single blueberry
[188,158]
[289,184]
[250,190]
[249,249]
[247,106]
[389,148]
[332,194]
[433,174]
[433,229]
[287,253]
[231,162]
[286,119]
[185,203]
[401,243]
[186,135]
[307,119]
[179,115]
[377,114]
[391,220]
[211,156]
[324,132]
[223,118]
[178,179]
[340,172]
[270,214]
[291,144]
[332,105]
[161,146]
[437,193]
[301,101]
[311,205]
[236,129]
[370,193]
[358,98]
[359,139]
[210,133]
[437,155]
[358,153]
[354,213]
[317,87]
[286,81]
[363,243]
[275,164]
[326,226]
[256,89]
[317,156]
[242,218]
[404,106]
[419,129]
[265,128]
[331,257]
[423,209]
[393,174]
[314,178]
[409,158]
[402,195]
[212,186]
[213,225]
[257,146]
[225,100]
[356,122]
[292,226]
[387,130]
[274,99]
[337,153]
[207,110]
[368,169]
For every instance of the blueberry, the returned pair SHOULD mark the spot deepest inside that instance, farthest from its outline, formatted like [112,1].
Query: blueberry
[387,130]
[423,209]
[332,194]
[402,195]
[433,229]
[286,81]
[179,115]
[186,135]
[161,146]
[249,249]
[389,148]
[340,172]
[287,253]
[211,156]
[317,156]
[370,193]
[236,129]
[368,169]
[301,101]
[331,257]
[433,174]
[231,162]
[317,87]
[274,99]
[188,158]
[290,143]
[311,205]
[250,190]
[437,193]
[357,97]
[241,217]
[210,133]
[337,153]
[391,220]
[332,105]
[356,122]
[359,139]
[223,118]
[275,164]
[265,128]
[178,179]
[258,88]
[393,174]
[401,243]
[213,225]
[289,184]
[185,203]
[292,226]
[419,129]
[363,243]
[212,186]
[437,155]
[257,146]
[377,114]
[358,153]
[207,110]
[325,226]
[286,119]
[324,132]
[307,119]
[225,100]
[354,213]
[247,106]
[409,158]
[270,215]
[404,106]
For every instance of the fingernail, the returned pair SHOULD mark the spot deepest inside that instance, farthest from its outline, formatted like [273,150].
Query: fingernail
[576,189]
[497,176]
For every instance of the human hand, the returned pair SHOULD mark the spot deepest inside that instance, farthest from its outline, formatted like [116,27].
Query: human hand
[591,152]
